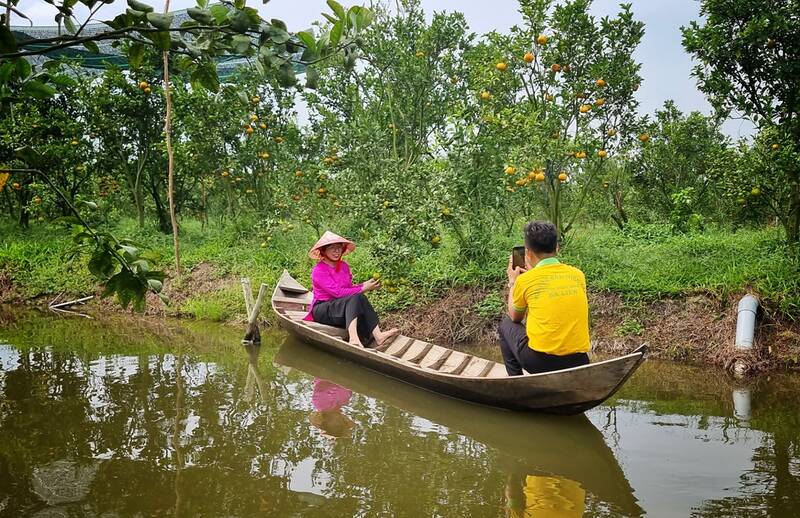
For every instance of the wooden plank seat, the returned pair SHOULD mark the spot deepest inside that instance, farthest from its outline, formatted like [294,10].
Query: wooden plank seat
[397,346]
[455,363]
[478,367]
[435,358]
[417,351]
[329,330]
[497,371]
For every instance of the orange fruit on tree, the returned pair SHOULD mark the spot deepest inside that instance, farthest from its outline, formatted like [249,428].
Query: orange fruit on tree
[147,90]
[755,191]
[16,186]
[279,139]
[485,95]
[255,99]
[540,177]
[644,137]
[612,132]
[600,102]
[74,142]
[510,170]
[542,39]
[528,57]
[532,175]
[602,153]
[501,66]
[298,173]
[548,97]
[555,67]
[585,108]
[562,176]
[565,69]
[600,83]
[249,130]
[509,188]
[436,239]
[522,181]
[254,117]
[776,147]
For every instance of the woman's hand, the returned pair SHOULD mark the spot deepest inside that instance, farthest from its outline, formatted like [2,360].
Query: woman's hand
[371,285]
[512,272]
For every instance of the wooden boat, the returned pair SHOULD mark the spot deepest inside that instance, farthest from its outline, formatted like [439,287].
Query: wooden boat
[458,374]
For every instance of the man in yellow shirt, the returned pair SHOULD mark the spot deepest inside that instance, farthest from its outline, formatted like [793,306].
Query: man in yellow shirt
[553,296]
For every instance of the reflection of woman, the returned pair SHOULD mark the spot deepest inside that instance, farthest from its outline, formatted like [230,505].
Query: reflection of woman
[542,495]
[328,399]
[337,301]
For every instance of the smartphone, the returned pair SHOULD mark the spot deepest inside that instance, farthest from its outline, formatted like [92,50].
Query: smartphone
[518,257]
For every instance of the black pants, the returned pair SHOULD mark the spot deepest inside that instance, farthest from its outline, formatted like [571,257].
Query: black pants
[340,312]
[517,355]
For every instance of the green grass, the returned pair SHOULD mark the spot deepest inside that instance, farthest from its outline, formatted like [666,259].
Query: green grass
[644,262]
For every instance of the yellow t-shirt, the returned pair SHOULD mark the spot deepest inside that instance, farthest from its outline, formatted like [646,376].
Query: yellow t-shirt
[558,311]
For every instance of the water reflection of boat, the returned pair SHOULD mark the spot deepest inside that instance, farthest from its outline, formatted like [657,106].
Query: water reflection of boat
[458,374]
[569,447]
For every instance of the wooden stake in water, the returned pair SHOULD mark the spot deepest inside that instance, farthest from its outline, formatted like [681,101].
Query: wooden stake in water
[253,335]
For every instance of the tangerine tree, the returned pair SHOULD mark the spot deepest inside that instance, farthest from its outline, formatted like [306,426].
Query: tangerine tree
[749,62]
[557,95]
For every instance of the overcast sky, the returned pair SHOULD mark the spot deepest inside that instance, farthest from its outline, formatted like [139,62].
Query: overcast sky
[665,65]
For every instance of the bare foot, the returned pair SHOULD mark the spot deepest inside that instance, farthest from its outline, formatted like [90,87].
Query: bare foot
[355,342]
[386,336]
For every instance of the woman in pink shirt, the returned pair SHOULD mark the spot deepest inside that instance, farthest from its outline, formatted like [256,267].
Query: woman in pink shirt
[337,301]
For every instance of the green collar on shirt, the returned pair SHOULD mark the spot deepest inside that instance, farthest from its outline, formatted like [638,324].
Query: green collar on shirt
[547,262]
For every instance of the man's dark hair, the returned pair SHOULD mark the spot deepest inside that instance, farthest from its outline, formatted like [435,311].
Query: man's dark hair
[541,237]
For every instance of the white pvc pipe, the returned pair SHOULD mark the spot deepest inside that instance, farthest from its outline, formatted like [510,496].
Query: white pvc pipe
[741,403]
[746,322]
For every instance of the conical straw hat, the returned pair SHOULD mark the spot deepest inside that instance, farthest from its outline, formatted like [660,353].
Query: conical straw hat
[329,238]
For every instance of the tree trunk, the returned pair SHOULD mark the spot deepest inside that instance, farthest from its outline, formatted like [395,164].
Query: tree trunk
[170,158]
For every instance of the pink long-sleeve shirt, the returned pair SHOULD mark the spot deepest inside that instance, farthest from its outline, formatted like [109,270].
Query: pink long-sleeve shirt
[328,284]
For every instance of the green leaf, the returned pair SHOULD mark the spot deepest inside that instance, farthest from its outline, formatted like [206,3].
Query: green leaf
[155,285]
[5,71]
[219,12]
[312,77]
[200,15]
[336,33]
[308,40]
[240,22]
[135,15]
[365,17]
[91,47]
[63,80]
[279,23]
[8,43]
[243,96]
[330,18]
[23,67]
[286,75]
[38,90]
[337,8]
[206,76]
[140,6]
[160,21]
[89,204]
[130,253]
[278,35]
[240,43]
[70,25]
[136,55]
[101,265]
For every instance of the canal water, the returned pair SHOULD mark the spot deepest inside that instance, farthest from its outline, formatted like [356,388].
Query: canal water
[136,417]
